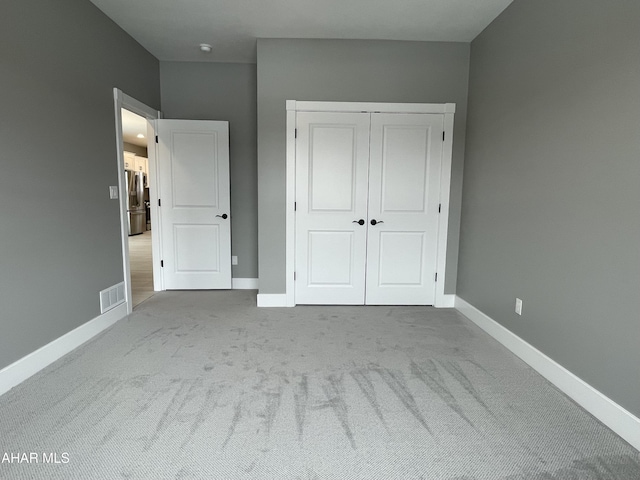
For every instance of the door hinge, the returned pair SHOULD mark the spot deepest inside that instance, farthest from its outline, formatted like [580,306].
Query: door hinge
[295,206]
[443,136]
[159,203]
[439,207]
[436,276]
[156,138]
[296,134]
[162,263]
[294,275]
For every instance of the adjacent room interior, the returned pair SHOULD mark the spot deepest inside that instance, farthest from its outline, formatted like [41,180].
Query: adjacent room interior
[136,164]
[519,358]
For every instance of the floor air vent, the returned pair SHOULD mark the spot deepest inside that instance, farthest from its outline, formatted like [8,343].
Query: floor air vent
[111,297]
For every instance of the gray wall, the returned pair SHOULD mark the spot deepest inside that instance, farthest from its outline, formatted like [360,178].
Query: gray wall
[60,233]
[551,185]
[347,71]
[224,91]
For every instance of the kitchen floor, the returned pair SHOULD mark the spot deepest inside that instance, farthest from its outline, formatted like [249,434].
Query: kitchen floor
[141,264]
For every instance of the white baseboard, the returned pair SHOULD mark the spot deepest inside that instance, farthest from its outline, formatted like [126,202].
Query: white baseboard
[617,418]
[272,299]
[20,370]
[446,301]
[280,300]
[244,283]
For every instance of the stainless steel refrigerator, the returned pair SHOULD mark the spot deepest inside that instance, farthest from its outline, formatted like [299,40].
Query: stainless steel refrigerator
[136,210]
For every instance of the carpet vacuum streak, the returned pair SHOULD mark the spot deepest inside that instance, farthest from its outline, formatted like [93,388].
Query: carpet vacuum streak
[206,385]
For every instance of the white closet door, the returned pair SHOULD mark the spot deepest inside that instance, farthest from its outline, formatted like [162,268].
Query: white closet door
[332,158]
[193,159]
[404,179]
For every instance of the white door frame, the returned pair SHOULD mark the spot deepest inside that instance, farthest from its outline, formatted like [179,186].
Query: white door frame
[122,100]
[447,109]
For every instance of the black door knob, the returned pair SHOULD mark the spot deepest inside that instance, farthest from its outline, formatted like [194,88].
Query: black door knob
[224,216]
[359,222]
[374,221]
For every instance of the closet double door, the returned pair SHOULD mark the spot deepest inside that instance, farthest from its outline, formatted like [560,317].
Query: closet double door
[367,206]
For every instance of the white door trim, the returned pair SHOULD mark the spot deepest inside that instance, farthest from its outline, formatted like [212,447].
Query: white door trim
[370,107]
[294,106]
[290,232]
[122,100]
[443,300]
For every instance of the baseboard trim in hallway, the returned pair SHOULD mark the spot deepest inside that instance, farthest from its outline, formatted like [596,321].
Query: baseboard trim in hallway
[617,418]
[20,370]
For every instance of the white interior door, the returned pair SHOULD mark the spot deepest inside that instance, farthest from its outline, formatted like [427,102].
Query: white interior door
[332,157]
[404,182]
[193,160]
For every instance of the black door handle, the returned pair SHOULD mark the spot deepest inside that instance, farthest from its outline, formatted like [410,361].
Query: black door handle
[374,221]
[224,216]
[359,222]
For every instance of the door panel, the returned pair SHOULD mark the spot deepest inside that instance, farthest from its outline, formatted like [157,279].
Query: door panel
[332,165]
[193,159]
[403,182]
[330,256]
[332,156]
[400,258]
[404,176]
[194,182]
[197,248]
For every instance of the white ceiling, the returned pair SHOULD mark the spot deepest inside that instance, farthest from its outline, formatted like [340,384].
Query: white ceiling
[172,30]
[132,125]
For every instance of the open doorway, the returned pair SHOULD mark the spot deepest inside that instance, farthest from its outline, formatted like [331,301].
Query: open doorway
[136,165]
[138,214]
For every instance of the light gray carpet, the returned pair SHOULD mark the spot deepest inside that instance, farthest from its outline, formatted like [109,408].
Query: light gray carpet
[205,385]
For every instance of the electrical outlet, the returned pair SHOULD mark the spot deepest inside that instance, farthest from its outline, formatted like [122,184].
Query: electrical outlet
[518,306]
[113,192]
[234,260]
